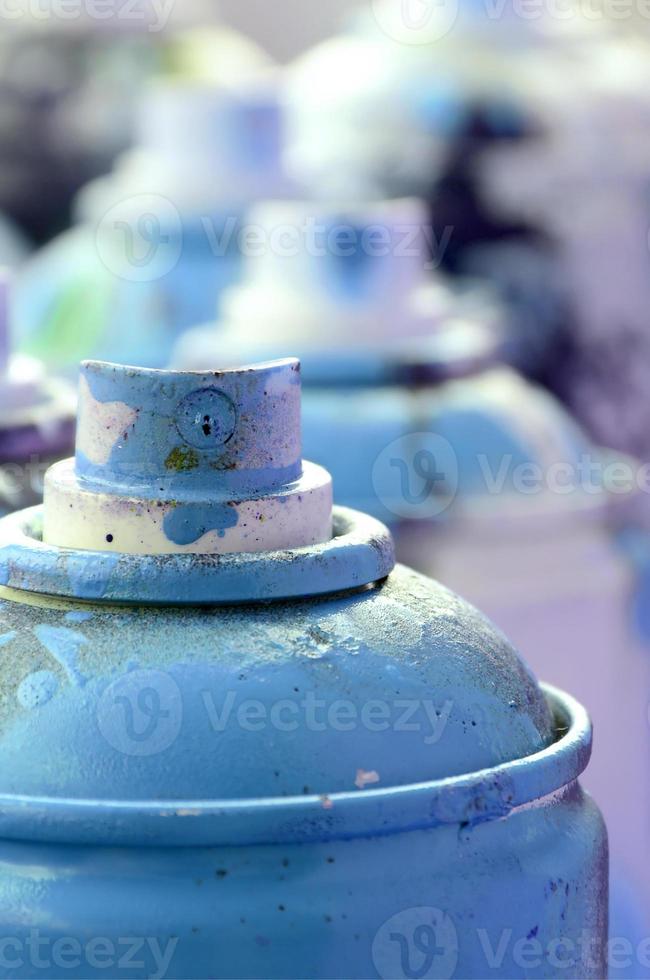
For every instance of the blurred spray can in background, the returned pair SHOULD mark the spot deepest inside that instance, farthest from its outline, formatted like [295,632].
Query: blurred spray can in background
[68,74]
[37,417]
[484,478]
[159,238]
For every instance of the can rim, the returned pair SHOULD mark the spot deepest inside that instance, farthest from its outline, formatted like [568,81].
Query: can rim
[467,800]
[360,552]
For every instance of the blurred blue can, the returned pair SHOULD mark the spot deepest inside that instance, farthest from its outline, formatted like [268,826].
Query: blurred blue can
[484,479]
[161,237]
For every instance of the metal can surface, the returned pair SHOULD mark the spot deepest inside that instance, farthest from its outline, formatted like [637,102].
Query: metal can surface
[237,747]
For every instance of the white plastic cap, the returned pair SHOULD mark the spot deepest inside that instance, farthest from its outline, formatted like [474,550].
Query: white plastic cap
[203,137]
[339,262]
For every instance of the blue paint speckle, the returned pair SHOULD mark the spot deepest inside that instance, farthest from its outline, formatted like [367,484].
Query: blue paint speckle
[7,638]
[78,617]
[91,576]
[189,522]
[63,644]
[37,689]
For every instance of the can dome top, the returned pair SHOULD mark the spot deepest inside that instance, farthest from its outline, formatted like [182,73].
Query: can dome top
[485,740]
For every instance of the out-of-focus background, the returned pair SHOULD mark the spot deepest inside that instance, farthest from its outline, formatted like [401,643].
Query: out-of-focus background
[289,31]
[444,209]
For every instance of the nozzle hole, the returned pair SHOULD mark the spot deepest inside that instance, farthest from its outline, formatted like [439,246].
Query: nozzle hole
[206,419]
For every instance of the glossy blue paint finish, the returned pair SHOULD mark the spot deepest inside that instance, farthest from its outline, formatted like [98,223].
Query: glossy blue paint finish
[140,807]
[470,799]
[280,887]
[156,704]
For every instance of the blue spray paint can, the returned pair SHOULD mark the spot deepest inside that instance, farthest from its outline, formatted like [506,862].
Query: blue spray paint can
[239,741]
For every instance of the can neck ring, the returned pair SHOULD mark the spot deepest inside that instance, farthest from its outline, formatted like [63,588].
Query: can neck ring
[359,553]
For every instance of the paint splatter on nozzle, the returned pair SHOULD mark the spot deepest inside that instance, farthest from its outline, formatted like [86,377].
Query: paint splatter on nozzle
[173,462]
